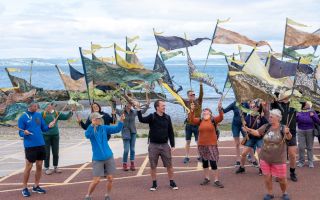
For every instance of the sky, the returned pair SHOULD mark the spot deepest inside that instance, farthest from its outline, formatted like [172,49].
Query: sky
[56,28]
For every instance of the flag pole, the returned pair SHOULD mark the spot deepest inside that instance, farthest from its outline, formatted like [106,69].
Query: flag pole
[284,38]
[185,37]
[85,74]
[214,33]
[31,71]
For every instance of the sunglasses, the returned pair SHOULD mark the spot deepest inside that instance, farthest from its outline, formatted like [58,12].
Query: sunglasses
[192,95]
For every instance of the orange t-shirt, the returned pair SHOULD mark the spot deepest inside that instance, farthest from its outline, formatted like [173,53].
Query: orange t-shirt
[207,132]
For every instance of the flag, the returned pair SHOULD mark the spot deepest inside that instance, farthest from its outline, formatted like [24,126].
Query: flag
[176,96]
[86,52]
[95,47]
[167,56]
[223,21]
[75,74]
[130,40]
[280,69]
[262,55]
[105,73]
[247,87]
[9,89]
[217,53]
[291,53]
[11,69]
[254,66]
[70,61]
[118,48]
[132,58]
[299,38]
[12,111]
[24,86]
[224,36]
[200,76]
[291,22]
[71,84]
[174,42]
[123,63]
[161,68]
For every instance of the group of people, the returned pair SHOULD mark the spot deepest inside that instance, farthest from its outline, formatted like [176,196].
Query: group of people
[268,129]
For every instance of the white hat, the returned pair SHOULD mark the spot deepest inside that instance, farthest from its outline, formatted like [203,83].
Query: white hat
[95,115]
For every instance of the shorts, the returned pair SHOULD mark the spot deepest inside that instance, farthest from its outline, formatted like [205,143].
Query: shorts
[293,141]
[236,129]
[254,142]
[103,168]
[192,129]
[35,153]
[162,150]
[276,170]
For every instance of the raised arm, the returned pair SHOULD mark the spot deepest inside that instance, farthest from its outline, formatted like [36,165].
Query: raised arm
[218,118]
[229,107]
[85,125]
[65,116]
[146,119]
[200,99]
[114,128]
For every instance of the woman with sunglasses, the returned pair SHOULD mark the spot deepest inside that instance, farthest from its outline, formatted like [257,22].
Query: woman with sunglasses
[207,142]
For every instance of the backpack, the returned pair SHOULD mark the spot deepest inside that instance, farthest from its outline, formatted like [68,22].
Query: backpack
[215,127]
[44,114]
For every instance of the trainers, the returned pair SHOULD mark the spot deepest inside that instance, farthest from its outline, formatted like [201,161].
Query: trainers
[125,167]
[218,184]
[285,197]
[154,187]
[260,172]
[25,192]
[57,170]
[132,167]
[186,160]
[240,170]
[255,164]
[107,198]
[300,164]
[205,182]
[237,164]
[49,171]
[268,197]
[88,198]
[311,165]
[38,189]
[173,185]
[293,177]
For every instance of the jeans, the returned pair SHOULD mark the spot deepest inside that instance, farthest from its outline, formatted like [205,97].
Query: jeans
[305,141]
[129,144]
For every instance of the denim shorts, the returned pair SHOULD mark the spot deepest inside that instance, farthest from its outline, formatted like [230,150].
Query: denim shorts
[236,129]
[254,142]
[191,129]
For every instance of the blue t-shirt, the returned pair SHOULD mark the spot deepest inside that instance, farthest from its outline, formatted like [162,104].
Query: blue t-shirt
[35,124]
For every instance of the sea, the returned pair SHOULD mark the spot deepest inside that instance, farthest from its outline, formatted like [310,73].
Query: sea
[45,75]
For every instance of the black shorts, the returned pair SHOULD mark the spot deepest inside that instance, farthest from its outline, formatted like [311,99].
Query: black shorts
[35,153]
[293,141]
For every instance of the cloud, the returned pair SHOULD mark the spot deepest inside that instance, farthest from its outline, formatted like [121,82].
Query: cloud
[55,29]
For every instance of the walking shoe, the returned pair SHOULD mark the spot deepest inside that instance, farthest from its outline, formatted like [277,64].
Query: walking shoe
[237,164]
[293,177]
[173,185]
[255,164]
[311,165]
[25,192]
[300,164]
[154,186]
[218,184]
[88,198]
[49,171]
[125,167]
[205,182]
[132,167]
[285,197]
[240,170]
[107,198]
[57,170]
[186,160]
[260,172]
[38,189]
[268,197]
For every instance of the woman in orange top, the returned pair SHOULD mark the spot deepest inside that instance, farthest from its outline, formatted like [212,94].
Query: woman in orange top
[207,142]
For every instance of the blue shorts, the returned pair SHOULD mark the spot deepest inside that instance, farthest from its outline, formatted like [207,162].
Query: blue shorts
[254,142]
[192,129]
[236,129]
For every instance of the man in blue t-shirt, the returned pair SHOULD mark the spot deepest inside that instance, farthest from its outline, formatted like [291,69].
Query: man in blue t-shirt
[31,125]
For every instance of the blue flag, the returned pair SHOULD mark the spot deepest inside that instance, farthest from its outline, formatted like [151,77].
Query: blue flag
[174,42]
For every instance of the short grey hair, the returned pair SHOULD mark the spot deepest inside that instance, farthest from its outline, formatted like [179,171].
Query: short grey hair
[276,112]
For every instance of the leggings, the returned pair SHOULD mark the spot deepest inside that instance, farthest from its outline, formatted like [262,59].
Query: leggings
[213,164]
